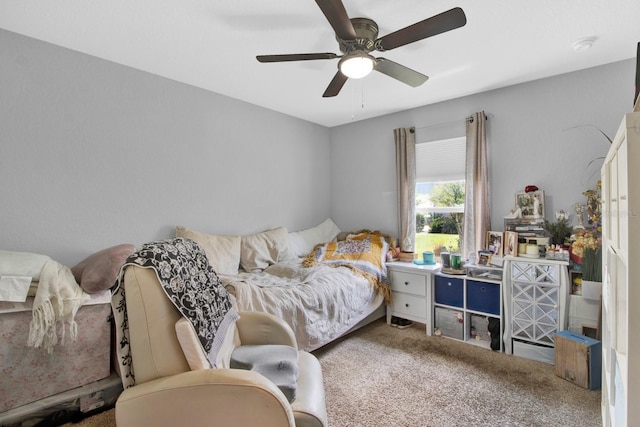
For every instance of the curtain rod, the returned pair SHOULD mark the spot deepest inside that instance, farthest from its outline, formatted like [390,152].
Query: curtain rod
[452,122]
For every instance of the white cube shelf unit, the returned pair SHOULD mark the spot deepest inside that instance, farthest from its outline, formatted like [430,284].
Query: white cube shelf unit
[464,306]
[620,291]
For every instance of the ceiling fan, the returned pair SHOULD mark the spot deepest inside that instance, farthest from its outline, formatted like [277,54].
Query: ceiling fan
[357,37]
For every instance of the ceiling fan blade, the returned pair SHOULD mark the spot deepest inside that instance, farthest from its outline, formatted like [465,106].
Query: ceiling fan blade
[337,16]
[336,84]
[296,57]
[400,72]
[446,21]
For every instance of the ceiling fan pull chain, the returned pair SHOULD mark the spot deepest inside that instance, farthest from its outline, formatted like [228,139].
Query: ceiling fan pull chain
[353,104]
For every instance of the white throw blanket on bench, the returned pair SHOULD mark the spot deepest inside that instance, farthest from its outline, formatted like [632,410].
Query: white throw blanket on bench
[57,301]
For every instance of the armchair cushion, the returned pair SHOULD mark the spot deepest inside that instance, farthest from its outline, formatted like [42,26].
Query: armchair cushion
[278,363]
[221,397]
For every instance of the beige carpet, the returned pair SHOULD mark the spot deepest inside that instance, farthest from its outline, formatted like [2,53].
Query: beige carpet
[382,376]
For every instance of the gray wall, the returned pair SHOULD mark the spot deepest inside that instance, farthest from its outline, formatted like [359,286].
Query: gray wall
[94,154]
[530,142]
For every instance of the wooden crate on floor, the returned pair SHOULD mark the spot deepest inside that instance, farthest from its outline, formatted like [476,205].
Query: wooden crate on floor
[578,359]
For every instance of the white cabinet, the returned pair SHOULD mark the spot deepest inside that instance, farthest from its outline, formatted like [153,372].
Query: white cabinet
[411,288]
[469,307]
[621,268]
[536,296]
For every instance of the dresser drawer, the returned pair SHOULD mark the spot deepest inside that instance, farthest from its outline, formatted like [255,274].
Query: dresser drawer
[415,284]
[409,305]
[449,291]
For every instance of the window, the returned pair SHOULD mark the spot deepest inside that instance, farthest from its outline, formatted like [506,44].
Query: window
[440,186]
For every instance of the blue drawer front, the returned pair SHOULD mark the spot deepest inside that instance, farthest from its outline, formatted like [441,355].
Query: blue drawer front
[483,296]
[449,291]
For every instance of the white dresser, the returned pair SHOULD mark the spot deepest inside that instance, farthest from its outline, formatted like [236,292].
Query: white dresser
[536,295]
[411,287]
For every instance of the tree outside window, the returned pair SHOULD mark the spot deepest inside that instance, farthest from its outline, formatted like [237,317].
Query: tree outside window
[439,216]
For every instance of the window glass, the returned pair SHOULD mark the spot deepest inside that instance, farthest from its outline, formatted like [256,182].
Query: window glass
[440,186]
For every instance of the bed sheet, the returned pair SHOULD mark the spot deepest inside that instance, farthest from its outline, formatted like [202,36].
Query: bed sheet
[320,303]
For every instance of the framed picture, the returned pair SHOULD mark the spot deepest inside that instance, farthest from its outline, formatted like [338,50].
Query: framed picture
[494,242]
[484,257]
[510,243]
[531,204]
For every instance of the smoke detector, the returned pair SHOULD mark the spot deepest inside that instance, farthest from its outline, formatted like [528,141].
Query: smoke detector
[583,44]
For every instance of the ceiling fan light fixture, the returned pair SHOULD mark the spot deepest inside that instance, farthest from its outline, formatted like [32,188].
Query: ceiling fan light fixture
[356,65]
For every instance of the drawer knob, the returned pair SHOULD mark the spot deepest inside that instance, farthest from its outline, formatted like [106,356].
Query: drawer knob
[406,305]
[406,283]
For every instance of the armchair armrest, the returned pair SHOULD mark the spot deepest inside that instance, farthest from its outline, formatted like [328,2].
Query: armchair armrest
[259,328]
[196,398]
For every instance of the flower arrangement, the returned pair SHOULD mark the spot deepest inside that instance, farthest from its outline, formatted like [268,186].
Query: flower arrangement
[587,242]
[587,246]
[593,204]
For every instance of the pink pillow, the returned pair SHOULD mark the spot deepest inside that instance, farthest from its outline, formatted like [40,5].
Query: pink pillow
[100,270]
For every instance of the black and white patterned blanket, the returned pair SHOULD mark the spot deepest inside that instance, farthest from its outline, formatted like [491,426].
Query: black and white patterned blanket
[190,283]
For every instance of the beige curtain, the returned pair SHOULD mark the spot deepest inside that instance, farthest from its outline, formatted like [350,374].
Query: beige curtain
[405,140]
[477,215]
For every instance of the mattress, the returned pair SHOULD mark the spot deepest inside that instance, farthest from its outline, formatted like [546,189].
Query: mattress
[320,303]
[29,374]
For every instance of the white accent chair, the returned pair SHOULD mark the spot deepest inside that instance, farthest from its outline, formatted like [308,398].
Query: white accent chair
[171,390]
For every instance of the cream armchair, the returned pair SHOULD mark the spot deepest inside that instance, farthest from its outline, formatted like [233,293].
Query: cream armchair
[169,393]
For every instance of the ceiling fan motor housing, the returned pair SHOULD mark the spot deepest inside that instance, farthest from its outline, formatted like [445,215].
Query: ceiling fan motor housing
[366,35]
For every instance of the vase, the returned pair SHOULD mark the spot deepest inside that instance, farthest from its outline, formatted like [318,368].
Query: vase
[591,290]
[576,259]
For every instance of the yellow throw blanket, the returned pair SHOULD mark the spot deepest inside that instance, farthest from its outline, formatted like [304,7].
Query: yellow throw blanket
[364,254]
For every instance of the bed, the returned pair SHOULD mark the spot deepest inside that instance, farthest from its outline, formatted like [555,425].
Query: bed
[324,283]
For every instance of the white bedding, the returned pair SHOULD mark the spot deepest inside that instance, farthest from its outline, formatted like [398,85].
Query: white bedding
[320,303]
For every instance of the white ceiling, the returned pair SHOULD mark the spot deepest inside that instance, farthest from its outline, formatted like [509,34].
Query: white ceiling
[212,44]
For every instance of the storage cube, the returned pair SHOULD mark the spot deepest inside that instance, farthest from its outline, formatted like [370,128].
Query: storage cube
[480,324]
[578,359]
[532,351]
[484,272]
[591,290]
[449,291]
[449,322]
[483,296]
[582,312]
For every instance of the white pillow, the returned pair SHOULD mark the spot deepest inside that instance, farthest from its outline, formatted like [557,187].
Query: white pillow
[259,251]
[24,264]
[223,252]
[302,242]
